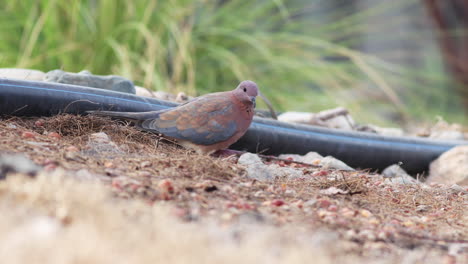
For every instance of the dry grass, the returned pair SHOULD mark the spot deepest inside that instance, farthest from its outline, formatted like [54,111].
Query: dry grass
[155,202]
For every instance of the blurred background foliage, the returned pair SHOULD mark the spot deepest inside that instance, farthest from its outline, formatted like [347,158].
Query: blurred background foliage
[378,58]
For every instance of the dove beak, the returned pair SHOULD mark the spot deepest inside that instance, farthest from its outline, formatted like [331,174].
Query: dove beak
[252,98]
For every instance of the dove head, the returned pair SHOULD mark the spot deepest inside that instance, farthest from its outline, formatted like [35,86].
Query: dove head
[247,91]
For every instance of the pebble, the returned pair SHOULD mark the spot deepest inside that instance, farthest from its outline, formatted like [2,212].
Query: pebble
[54,135]
[256,169]
[330,162]
[16,163]
[99,144]
[28,134]
[394,174]
[451,167]
[85,78]
[140,91]
[22,74]
[310,158]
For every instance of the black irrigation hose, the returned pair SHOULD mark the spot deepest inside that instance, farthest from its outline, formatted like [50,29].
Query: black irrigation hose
[359,150]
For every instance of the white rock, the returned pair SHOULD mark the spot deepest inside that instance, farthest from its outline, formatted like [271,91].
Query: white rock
[455,188]
[340,122]
[164,96]
[101,144]
[330,162]
[22,74]
[451,167]
[447,134]
[140,91]
[16,163]
[444,130]
[338,118]
[311,157]
[296,117]
[256,169]
[397,175]
[388,131]
[181,97]
[333,191]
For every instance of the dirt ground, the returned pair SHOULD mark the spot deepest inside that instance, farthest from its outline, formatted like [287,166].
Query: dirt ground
[140,199]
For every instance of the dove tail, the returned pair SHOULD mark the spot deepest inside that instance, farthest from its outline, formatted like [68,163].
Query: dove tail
[136,117]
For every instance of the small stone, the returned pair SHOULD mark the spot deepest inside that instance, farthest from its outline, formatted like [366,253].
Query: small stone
[451,167]
[456,189]
[408,223]
[422,208]
[85,78]
[100,144]
[348,213]
[299,204]
[50,167]
[181,97]
[109,164]
[21,74]
[324,203]
[350,234]
[289,193]
[330,162]
[16,163]
[54,135]
[140,91]
[448,135]
[365,213]
[28,135]
[367,234]
[145,164]
[256,169]
[309,158]
[332,208]
[397,175]
[387,131]
[338,118]
[39,123]
[277,203]
[166,185]
[164,96]
[333,191]
[11,125]
[72,149]
[310,203]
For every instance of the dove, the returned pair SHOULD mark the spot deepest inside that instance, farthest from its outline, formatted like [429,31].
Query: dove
[206,124]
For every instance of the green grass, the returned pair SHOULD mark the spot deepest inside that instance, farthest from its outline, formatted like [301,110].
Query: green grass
[301,62]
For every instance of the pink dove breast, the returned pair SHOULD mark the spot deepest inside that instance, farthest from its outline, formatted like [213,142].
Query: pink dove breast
[205,121]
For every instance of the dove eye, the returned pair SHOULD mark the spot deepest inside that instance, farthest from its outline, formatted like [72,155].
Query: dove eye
[245,89]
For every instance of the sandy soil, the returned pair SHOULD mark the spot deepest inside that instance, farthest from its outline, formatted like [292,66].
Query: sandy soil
[141,199]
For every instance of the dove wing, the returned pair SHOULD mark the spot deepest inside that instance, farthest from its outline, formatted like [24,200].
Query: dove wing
[205,121]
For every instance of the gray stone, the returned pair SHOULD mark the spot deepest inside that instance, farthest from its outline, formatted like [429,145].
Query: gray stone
[164,96]
[444,130]
[330,162]
[22,74]
[99,144]
[388,131]
[16,163]
[311,157]
[447,134]
[85,78]
[256,169]
[396,175]
[338,118]
[451,167]
[140,91]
